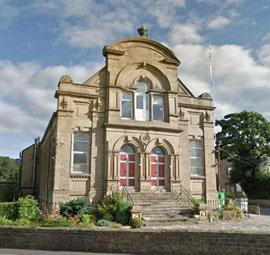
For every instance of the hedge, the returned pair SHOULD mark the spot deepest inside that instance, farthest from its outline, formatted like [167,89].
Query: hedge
[9,210]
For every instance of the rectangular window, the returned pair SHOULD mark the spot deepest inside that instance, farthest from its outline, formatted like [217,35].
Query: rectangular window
[81,152]
[158,108]
[196,152]
[126,105]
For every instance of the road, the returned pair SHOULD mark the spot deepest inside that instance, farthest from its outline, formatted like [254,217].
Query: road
[36,252]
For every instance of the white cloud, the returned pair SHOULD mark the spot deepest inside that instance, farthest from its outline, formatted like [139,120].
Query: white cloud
[241,82]
[90,23]
[264,55]
[185,33]
[218,22]
[27,94]
[7,13]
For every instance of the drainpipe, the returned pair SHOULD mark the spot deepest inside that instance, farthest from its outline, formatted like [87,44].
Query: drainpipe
[34,165]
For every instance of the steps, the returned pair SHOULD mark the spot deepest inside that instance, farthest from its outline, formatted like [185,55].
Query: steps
[162,208]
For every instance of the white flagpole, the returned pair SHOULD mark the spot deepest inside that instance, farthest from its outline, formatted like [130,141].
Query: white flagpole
[211,72]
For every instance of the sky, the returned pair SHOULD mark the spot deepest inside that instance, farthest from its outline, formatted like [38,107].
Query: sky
[42,40]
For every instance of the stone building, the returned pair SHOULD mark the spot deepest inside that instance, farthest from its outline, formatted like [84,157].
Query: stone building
[134,123]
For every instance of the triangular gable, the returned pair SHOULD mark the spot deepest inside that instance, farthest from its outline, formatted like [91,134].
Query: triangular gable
[183,88]
[98,78]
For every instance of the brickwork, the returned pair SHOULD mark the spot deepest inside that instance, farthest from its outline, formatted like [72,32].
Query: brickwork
[95,107]
[137,241]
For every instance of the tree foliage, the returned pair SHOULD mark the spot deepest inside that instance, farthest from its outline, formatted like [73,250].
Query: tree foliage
[244,140]
[9,169]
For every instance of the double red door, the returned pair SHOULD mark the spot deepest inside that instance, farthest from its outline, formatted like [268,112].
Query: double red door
[157,170]
[127,169]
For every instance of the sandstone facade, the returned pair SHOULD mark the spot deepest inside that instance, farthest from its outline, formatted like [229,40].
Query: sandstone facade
[137,100]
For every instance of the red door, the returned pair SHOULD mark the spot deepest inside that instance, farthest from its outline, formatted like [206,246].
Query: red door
[127,169]
[158,168]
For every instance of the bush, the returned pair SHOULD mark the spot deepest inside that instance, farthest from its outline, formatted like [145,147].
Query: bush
[104,223]
[136,223]
[57,221]
[122,214]
[88,219]
[28,209]
[78,207]
[115,208]
[5,222]
[9,210]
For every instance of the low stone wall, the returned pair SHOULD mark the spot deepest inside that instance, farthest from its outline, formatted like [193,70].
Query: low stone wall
[136,241]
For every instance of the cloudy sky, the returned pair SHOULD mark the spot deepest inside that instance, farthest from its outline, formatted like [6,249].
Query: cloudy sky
[43,40]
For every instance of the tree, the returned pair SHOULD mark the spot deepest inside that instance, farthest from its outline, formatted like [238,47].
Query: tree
[244,140]
[9,169]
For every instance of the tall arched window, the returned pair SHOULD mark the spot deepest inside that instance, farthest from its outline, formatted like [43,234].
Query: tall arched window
[142,101]
[158,167]
[127,166]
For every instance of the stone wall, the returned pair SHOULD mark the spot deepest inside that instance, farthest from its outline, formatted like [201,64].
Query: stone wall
[137,241]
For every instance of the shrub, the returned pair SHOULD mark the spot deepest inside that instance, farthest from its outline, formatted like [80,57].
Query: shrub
[136,223]
[88,219]
[107,209]
[5,222]
[57,221]
[79,206]
[115,208]
[28,209]
[104,223]
[9,210]
[122,214]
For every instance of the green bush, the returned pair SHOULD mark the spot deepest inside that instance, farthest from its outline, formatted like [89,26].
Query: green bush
[28,209]
[5,222]
[122,214]
[115,208]
[7,192]
[104,223]
[88,219]
[136,223]
[9,210]
[78,207]
[58,222]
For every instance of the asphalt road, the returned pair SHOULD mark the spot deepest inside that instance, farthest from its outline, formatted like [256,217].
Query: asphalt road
[36,252]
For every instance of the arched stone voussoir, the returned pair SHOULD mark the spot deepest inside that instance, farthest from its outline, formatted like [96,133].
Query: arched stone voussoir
[133,141]
[132,72]
[163,143]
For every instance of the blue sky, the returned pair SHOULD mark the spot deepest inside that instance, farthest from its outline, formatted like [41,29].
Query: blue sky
[42,40]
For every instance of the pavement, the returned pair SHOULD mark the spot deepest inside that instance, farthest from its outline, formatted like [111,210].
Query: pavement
[251,223]
[36,252]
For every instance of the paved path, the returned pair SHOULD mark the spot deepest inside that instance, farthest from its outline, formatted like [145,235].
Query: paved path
[255,223]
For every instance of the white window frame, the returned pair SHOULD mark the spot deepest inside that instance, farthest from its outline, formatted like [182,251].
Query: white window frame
[195,157]
[152,107]
[78,152]
[132,105]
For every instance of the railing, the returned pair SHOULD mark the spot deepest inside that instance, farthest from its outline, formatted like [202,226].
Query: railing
[127,195]
[185,195]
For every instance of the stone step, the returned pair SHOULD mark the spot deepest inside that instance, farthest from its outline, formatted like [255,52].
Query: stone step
[169,223]
[166,218]
[175,210]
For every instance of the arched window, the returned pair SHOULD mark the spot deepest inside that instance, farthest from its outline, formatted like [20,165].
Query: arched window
[127,166]
[142,101]
[138,106]
[158,167]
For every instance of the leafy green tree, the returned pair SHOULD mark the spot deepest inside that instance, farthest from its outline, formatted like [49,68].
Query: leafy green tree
[244,140]
[9,169]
